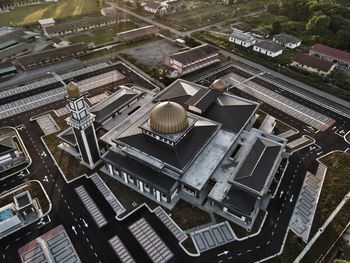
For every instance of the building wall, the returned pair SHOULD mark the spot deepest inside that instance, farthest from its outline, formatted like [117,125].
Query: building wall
[183,69]
[266,52]
[242,43]
[311,69]
[342,63]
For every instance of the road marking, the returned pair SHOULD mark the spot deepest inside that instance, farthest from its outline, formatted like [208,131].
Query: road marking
[258,247]
[268,242]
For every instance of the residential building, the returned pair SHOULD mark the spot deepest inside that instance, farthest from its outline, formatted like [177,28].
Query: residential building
[313,64]
[241,27]
[155,8]
[137,34]
[242,39]
[334,55]
[52,56]
[268,48]
[47,22]
[287,41]
[85,24]
[15,51]
[190,60]
[261,33]
[174,5]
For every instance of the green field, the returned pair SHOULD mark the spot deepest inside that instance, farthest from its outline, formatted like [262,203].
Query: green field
[64,8]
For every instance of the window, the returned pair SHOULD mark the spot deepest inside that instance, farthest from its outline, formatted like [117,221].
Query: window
[75,116]
[82,114]
[71,106]
[80,104]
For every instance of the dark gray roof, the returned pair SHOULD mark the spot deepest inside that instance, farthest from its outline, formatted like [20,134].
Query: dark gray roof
[23,200]
[243,26]
[231,112]
[7,145]
[84,23]
[178,156]
[13,50]
[240,200]
[17,35]
[257,165]
[194,54]
[202,99]
[113,104]
[286,39]
[269,46]
[53,54]
[142,172]
[137,33]
[68,136]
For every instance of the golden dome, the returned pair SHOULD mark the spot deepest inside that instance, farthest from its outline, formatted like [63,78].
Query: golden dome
[73,90]
[219,85]
[168,117]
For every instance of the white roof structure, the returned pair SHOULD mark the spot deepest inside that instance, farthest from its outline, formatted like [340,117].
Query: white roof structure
[46,21]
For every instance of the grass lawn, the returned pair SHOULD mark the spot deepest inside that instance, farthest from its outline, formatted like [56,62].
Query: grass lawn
[184,214]
[70,166]
[335,186]
[62,9]
[103,36]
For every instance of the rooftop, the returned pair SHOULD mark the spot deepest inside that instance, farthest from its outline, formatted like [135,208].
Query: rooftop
[332,52]
[286,38]
[313,62]
[194,54]
[269,46]
[242,36]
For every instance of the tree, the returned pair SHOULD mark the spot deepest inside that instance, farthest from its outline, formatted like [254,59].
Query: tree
[276,27]
[319,24]
[273,9]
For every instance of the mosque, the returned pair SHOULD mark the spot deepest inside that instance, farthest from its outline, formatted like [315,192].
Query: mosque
[186,142]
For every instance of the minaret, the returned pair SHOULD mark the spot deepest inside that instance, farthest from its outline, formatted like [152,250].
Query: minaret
[82,123]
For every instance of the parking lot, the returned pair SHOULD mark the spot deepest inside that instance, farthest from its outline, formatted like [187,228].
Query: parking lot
[292,108]
[121,250]
[154,246]
[47,124]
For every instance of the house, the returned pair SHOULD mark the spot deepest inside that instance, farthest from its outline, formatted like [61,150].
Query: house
[107,11]
[59,42]
[174,5]
[52,56]
[334,55]
[190,60]
[241,27]
[261,33]
[15,51]
[313,64]
[85,24]
[137,34]
[287,41]
[155,8]
[242,39]
[47,22]
[268,48]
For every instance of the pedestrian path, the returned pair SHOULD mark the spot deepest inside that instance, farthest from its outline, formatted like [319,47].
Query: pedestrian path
[305,207]
[298,142]
[154,246]
[287,134]
[213,236]
[120,250]
[107,193]
[170,224]
[90,205]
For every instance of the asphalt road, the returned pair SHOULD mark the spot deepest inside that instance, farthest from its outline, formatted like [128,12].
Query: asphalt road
[91,242]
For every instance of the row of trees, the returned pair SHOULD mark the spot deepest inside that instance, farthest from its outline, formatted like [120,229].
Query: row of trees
[328,20]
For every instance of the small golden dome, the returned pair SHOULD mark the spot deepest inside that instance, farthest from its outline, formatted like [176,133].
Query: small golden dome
[219,85]
[168,117]
[73,90]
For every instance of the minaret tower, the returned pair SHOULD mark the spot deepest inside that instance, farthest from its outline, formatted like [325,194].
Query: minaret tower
[82,123]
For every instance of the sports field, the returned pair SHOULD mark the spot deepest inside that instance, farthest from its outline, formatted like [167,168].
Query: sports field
[63,8]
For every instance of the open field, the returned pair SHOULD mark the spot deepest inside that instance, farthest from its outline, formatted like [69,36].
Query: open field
[64,8]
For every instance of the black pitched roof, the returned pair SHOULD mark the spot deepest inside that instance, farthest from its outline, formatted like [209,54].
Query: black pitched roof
[68,136]
[202,99]
[6,145]
[194,54]
[180,155]
[111,105]
[240,200]
[257,165]
[143,172]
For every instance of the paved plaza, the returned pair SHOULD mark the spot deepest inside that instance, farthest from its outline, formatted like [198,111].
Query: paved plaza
[120,250]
